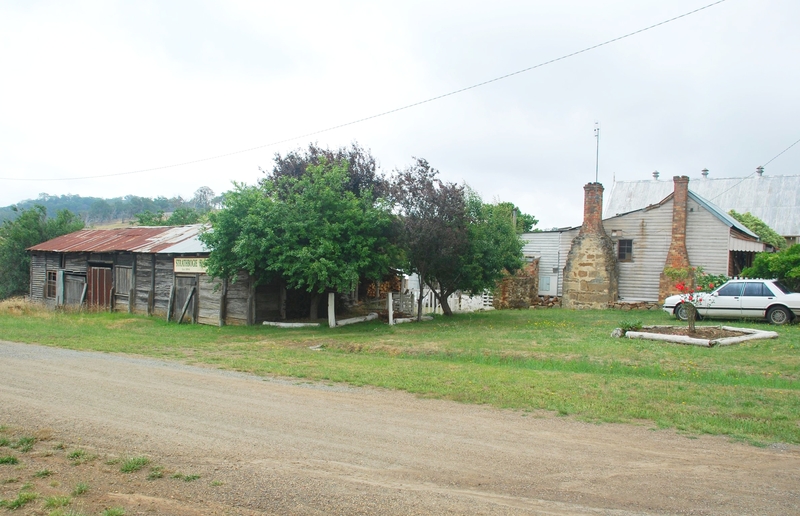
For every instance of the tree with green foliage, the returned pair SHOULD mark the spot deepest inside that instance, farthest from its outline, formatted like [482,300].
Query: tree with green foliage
[783,265]
[452,240]
[31,227]
[523,222]
[362,167]
[308,230]
[760,228]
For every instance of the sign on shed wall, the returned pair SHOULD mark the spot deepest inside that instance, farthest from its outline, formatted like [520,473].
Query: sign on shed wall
[190,265]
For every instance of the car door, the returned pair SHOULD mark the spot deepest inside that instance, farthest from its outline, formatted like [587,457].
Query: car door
[725,302]
[755,299]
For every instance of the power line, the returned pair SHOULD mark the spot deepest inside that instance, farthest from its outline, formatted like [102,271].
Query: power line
[745,178]
[385,113]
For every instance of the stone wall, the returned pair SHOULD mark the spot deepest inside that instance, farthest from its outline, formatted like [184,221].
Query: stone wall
[591,276]
[520,290]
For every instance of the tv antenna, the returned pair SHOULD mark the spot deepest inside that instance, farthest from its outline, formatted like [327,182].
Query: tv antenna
[597,156]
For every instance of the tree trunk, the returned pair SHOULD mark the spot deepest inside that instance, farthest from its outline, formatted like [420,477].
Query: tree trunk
[691,316]
[442,296]
[419,299]
[312,311]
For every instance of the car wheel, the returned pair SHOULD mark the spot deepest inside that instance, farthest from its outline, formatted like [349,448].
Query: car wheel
[681,312]
[778,315]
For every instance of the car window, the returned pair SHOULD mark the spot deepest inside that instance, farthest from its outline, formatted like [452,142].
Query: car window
[731,289]
[756,290]
[780,286]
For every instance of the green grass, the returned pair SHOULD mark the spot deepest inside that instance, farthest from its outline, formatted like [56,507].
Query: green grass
[80,488]
[53,502]
[155,473]
[8,459]
[114,511]
[133,464]
[557,360]
[185,478]
[43,473]
[22,498]
[78,457]
[24,444]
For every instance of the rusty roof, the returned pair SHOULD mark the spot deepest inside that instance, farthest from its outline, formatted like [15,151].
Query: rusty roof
[139,239]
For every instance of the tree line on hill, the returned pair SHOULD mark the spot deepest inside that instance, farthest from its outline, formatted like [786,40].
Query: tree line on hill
[96,210]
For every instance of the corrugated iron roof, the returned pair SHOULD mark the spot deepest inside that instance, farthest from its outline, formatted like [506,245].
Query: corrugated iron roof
[773,199]
[139,239]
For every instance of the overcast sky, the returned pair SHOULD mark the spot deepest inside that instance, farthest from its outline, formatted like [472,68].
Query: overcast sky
[93,88]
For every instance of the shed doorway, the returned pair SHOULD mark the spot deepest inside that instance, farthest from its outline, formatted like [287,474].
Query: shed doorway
[99,289]
[184,286]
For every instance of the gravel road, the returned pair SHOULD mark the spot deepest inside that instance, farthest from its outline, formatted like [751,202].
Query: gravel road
[288,447]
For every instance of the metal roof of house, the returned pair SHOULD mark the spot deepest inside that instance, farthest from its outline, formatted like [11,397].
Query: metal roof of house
[139,239]
[773,199]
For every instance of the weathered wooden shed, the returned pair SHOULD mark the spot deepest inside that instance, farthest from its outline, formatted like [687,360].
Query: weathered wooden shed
[152,270]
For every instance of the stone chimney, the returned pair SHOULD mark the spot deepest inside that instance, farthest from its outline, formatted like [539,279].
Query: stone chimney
[677,256]
[590,276]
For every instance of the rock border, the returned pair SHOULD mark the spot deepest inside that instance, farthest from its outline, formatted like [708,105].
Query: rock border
[751,334]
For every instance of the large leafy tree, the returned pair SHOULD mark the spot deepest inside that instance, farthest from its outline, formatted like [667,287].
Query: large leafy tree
[760,228]
[309,230]
[362,168]
[783,265]
[452,240]
[31,227]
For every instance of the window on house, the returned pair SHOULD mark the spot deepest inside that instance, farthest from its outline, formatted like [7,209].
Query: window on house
[50,284]
[625,250]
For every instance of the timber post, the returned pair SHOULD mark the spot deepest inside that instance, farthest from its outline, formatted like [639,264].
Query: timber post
[251,298]
[331,310]
[186,305]
[390,308]
[151,297]
[223,302]
[171,301]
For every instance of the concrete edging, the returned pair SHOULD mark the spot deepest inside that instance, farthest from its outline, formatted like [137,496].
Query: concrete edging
[752,334]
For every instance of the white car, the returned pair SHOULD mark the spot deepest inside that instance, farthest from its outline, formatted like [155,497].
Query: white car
[747,298]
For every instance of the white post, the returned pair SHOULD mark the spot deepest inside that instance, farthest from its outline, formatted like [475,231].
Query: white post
[331,312]
[390,308]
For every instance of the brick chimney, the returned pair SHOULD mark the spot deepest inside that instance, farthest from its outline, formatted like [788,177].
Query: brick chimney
[593,209]
[677,256]
[590,276]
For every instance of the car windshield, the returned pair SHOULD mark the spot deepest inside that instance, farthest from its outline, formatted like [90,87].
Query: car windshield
[783,288]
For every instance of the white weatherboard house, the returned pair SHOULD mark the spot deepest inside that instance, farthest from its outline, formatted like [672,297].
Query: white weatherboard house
[642,238]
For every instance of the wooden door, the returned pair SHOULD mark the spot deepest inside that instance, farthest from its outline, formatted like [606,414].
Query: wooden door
[183,287]
[99,289]
[73,288]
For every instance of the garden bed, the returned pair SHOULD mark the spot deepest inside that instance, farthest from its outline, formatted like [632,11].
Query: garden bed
[707,336]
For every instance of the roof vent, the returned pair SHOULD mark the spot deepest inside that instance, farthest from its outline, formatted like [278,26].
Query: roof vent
[705,173]
[760,171]
[655,175]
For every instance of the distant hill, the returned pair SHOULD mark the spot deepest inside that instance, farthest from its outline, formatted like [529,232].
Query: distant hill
[95,210]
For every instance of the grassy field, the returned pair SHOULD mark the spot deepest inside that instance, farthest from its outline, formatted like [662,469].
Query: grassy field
[555,360]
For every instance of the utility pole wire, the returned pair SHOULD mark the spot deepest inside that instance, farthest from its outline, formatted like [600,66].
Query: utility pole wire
[391,111]
[757,168]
